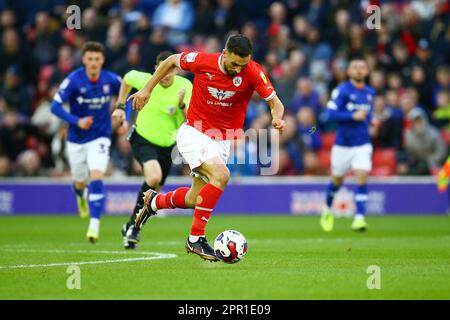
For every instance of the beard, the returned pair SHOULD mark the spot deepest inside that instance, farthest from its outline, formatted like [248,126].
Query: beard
[230,73]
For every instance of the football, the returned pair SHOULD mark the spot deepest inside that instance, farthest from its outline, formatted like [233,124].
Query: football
[230,246]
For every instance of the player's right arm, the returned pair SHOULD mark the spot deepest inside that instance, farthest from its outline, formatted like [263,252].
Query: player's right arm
[141,97]
[337,110]
[132,79]
[63,95]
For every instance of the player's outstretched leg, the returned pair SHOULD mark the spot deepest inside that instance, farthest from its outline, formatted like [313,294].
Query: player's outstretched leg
[82,201]
[153,201]
[96,204]
[327,217]
[361,196]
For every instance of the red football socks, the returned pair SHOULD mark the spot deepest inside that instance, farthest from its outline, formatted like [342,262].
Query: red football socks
[206,201]
[172,199]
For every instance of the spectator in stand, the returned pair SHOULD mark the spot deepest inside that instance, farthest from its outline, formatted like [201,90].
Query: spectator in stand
[442,82]
[291,146]
[157,43]
[7,20]
[277,14]
[424,145]
[250,30]
[204,19]
[45,39]
[389,131]
[441,115]
[94,25]
[400,62]
[43,118]
[377,80]
[424,58]
[423,87]
[227,17]
[132,61]
[29,164]
[285,85]
[394,81]
[129,12]
[315,48]
[17,135]
[5,166]
[307,129]
[306,96]
[14,93]
[407,103]
[177,16]
[338,72]
[64,65]
[12,52]
[115,46]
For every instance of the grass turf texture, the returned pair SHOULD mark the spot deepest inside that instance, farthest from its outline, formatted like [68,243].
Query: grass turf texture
[288,257]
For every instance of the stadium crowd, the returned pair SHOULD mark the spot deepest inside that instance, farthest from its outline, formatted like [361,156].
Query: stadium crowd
[305,47]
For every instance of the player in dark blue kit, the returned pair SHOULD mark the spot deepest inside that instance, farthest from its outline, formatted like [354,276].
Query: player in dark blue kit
[88,90]
[350,106]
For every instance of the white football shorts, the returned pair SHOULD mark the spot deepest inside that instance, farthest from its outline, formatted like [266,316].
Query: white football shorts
[355,158]
[196,147]
[83,158]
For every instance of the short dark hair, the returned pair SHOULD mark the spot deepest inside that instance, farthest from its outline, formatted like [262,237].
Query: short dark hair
[93,46]
[239,45]
[163,55]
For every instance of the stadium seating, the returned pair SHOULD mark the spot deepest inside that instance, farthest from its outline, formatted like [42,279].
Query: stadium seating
[328,140]
[384,162]
[325,159]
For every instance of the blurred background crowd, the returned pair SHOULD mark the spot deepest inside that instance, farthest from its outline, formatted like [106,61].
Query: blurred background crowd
[304,46]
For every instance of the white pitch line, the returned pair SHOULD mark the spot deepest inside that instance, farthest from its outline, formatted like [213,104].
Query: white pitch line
[157,256]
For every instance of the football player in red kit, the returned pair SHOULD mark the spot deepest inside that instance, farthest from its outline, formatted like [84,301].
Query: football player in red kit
[223,85]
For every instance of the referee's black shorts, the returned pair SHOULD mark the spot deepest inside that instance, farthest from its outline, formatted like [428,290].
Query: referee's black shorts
[144,151]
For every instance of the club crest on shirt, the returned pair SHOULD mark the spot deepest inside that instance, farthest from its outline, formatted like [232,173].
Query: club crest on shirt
[263,77]
[237,81]
[106,89]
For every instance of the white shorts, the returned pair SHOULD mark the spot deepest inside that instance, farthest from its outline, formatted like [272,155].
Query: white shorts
[196,147]
[92,155]
[355,158]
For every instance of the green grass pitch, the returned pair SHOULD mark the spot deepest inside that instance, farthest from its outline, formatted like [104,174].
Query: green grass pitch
[288,257]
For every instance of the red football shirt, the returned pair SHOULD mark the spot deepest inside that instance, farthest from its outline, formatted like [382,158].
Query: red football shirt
[219,101]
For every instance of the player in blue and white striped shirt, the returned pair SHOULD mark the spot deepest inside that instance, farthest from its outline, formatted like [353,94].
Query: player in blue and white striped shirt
[88,90]
[351,107]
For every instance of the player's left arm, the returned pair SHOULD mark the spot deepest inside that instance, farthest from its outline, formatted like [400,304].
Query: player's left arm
[277,111]
[263,86]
